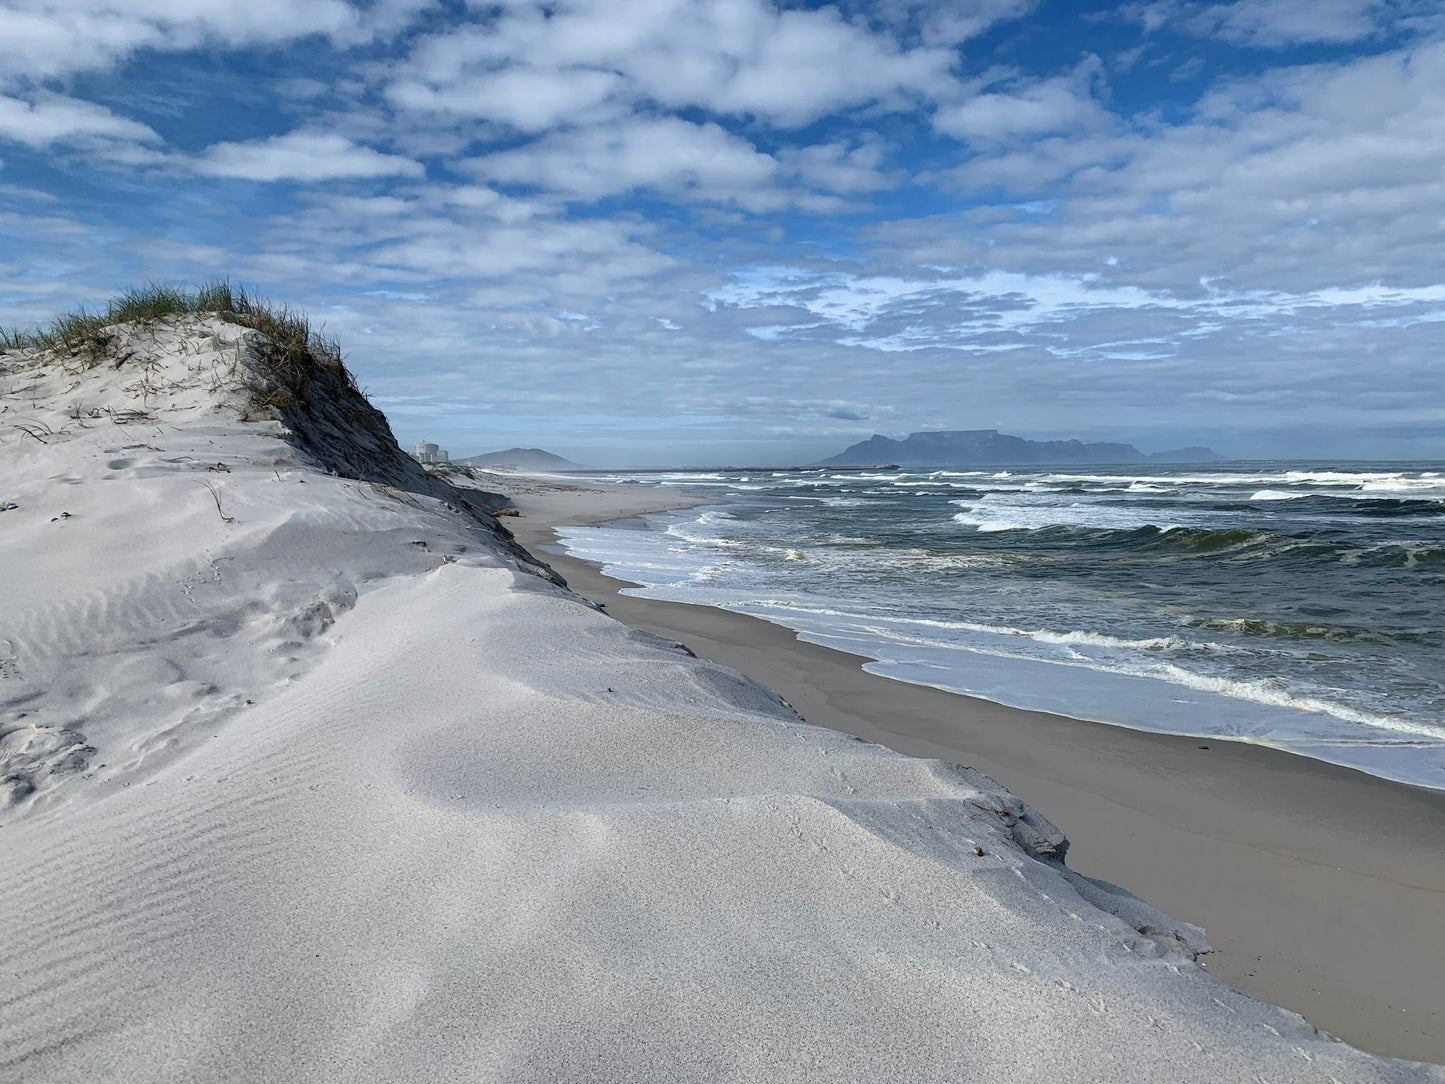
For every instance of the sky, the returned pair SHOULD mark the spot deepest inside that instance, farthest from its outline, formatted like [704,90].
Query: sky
[659,232]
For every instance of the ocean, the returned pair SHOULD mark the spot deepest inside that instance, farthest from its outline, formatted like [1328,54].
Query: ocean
[1301,607]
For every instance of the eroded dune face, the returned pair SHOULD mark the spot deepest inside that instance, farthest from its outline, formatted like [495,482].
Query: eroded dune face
[310,778]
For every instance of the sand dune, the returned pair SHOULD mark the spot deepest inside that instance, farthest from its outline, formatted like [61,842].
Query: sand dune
[310,778]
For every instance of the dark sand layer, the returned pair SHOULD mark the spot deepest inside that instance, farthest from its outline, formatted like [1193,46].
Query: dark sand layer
[1321,889]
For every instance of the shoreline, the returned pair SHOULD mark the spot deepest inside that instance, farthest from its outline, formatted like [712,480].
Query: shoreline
[1320,887]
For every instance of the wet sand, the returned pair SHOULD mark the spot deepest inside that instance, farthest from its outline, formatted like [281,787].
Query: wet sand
[1321,889]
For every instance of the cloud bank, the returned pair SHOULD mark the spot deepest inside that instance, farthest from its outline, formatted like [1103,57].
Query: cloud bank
[680,229]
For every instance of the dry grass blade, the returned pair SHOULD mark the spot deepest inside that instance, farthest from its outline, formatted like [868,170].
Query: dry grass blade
[215,496]
[35,430]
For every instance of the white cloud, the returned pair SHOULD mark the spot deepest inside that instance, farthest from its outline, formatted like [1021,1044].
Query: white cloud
[951,22]
[994,310]
[664,154]
[1274,23]
[688,162]
[301,156]
[841,166]
[971,306]
[804,64]
[53,118]
[1273,244]
[938,22]
[1062,104]
[42,39]
[729,57]
[1302,178]
[601,252]
[524,97]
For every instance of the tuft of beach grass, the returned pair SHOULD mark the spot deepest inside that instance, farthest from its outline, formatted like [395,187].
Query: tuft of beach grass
[294,359]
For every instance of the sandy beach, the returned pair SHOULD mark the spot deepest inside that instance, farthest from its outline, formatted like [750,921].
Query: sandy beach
[722,542]
[1319,888]
[308,772]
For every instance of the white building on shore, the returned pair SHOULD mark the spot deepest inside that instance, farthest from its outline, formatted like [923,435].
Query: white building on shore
[427,452]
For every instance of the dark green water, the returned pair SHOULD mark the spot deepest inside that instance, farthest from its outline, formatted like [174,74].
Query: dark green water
[1302,607]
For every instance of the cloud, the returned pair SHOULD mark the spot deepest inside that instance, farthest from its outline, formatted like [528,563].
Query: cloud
[592,256]
[527,98]
[1301,178]
[802,65]
[1030,109]
[842,166]
[731,58]
[690,163]
[938,22]
[42,39]
[722,223]
[951,23]
[664,154]
[992,311]
[301,156]
[54,118]
[1274,23]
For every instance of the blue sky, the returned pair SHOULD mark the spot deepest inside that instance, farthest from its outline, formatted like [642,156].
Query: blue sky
[665,231]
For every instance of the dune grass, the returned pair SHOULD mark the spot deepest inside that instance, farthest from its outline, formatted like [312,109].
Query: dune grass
[296,354]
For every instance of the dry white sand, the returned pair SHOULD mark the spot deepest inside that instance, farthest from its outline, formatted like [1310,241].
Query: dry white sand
[329,784]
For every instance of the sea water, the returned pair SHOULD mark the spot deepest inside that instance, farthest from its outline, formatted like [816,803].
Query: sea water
[1292,606]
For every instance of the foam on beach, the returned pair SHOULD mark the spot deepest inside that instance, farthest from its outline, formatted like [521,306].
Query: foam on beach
[317,776]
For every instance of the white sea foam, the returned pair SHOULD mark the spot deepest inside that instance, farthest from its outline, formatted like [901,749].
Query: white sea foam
[1170,481]
[986,524]
[1134,658]
[938,483]
[1383,492]
[1346,477]
[892,627]
[683,532]
[1276,694]
[994,513]
[1429,488]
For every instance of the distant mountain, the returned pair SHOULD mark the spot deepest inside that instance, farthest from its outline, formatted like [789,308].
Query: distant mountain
[521,459]
[989,447]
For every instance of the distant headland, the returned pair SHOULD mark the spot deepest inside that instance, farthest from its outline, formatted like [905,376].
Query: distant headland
[535,459]
[975,447]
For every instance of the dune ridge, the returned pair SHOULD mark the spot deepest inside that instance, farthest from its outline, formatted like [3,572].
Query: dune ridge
[309,772]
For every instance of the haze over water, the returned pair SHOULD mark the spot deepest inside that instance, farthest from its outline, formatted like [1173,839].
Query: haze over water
[1299,607]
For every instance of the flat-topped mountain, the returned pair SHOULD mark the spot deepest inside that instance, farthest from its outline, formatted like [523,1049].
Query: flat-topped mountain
[521,459]
[975,447]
